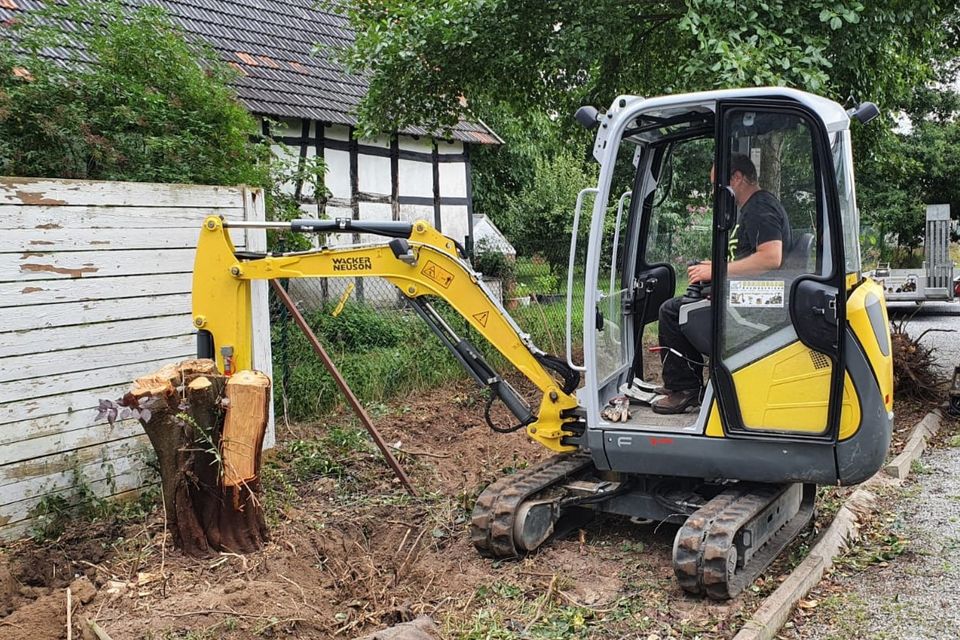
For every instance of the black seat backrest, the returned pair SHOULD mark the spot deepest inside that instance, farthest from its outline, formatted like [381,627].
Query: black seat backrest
[798,258]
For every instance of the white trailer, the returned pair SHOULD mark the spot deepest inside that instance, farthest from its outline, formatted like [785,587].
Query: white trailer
[936,279]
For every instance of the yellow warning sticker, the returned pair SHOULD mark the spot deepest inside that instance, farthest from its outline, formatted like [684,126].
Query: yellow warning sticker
[482,318]
[437,273]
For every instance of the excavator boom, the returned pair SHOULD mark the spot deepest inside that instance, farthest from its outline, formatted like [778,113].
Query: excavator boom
[420,262]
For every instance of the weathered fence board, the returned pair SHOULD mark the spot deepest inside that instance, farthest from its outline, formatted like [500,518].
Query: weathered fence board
[72,193]
[22,390]
[24,341]
[38,469]
[23,294]
[37,265]
[38,365]
[70,440]
[87,313]
[42,408]
[95,281]
[132,219]
[98,239]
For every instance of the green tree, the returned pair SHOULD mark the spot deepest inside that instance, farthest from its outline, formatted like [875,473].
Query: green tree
[425,56]
[538,219]
[144,104]
[524,66]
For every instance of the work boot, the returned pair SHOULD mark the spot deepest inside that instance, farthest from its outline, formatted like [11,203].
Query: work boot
[677,402]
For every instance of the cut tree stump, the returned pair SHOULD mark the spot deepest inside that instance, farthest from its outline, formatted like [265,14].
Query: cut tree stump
[207,430]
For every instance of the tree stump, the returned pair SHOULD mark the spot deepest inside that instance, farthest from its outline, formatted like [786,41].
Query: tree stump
[207,431]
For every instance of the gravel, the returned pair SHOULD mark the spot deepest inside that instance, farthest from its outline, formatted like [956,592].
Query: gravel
[934,315]
[915,596]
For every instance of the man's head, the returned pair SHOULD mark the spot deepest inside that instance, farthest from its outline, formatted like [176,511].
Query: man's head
[743,165]
[743,177]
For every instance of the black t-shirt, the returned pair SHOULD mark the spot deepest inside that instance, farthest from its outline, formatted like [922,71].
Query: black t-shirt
[762,219]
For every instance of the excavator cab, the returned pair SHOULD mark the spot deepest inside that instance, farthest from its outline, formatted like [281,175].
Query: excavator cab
[799,384]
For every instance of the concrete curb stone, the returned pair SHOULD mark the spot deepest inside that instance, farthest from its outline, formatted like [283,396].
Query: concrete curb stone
[776,609]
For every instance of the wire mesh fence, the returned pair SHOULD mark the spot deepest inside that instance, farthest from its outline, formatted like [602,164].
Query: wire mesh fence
[382,347]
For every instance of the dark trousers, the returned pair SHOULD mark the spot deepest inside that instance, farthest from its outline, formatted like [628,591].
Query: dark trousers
[678,374]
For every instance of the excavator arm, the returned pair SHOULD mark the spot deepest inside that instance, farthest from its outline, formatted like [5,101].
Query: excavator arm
[420,262]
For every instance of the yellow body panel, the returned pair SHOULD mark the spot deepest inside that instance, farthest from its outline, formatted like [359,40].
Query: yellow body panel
[221,301]
[789,390]
[859,321]
[714,426]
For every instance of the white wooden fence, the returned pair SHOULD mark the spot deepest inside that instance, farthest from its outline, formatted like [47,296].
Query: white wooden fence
[95,282]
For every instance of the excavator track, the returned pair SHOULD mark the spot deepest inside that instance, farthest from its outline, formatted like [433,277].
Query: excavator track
[494,515]
[707,549]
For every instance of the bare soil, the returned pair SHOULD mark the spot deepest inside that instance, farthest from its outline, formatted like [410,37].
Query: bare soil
[350,552]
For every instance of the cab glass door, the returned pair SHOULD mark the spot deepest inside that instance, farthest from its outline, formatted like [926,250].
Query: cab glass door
[773,235]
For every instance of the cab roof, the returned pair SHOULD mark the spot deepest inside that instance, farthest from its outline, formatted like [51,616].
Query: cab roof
[833,116]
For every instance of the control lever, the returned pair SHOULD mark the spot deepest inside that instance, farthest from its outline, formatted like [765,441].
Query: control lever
[697,290]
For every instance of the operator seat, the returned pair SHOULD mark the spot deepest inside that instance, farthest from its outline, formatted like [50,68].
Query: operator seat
[695,318]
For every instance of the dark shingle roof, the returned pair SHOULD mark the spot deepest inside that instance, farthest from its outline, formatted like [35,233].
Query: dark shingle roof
[271,42]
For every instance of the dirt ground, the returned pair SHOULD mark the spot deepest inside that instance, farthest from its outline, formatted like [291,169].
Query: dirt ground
[351,553]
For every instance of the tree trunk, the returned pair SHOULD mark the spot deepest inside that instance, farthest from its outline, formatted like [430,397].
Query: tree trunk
[208,453]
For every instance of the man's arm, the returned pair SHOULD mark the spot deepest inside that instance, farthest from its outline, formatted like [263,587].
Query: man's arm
[767,257]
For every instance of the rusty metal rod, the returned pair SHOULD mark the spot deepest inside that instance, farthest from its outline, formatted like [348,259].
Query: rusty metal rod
[344,387]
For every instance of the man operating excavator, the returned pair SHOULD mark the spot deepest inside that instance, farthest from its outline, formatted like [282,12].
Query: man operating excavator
[757,245]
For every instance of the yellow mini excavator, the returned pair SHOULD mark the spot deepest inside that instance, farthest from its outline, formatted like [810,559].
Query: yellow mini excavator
[799,391]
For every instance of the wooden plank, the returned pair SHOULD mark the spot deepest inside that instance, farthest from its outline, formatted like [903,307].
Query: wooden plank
[65,461]
[90,358]
[60,192]
[85,335]
[131,219]
[101,487]
[21,390]
[37,265]
[99,239]
[68,441]
[18,294]
[64,479]
[40,408]
[30,320]
[79,418]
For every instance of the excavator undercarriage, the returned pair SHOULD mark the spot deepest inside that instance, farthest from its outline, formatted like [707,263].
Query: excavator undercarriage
[729,534]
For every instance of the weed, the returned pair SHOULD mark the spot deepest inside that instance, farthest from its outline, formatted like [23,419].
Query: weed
[277,493]
[632,547]
[311,458]
[58,510]
[954,441]
[919,468]
[486,624]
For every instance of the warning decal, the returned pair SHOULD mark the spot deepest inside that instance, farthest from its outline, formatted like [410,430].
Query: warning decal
[482,318]
[437,273]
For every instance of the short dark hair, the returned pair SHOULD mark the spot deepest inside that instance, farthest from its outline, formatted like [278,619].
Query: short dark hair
[742,163]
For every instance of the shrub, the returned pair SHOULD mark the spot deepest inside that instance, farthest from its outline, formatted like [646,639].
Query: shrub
[151,107]
[494,264]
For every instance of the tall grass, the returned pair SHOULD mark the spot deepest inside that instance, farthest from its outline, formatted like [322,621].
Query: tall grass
[380,354]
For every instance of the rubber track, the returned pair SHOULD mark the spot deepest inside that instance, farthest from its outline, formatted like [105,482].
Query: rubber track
[703,543]
[492,523]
